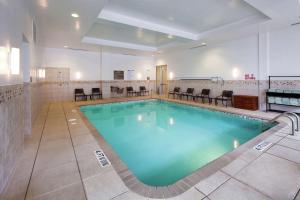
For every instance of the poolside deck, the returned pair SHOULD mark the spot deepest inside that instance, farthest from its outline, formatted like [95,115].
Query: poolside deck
[59,163]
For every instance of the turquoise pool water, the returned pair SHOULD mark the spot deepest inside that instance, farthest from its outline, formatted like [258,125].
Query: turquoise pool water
[162,142]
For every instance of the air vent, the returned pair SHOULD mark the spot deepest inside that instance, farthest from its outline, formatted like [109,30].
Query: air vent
[128,54]
[77,49]
[199,46]
[295,24]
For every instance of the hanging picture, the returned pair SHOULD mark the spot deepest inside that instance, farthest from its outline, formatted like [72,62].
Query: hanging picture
[118,75]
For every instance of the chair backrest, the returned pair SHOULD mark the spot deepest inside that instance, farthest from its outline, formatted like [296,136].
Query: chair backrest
[190,90]
[227,93]
[142,88]
[205,92]
[177,89]
[96,90]
[120,90]
[79,91]
[129,89]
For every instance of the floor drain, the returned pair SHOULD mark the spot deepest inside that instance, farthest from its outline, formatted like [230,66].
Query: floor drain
[102,159]
[262,146]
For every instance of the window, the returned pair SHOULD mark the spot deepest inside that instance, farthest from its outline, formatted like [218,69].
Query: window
[15,61]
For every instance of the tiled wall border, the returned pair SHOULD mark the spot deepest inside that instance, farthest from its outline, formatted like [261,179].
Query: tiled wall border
[9,92]
[11,129]
[186,183]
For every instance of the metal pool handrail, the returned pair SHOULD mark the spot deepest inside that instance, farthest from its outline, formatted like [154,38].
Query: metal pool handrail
[289,116]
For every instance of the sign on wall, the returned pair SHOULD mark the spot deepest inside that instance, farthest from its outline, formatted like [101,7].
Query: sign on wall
[118,75]
[130,75]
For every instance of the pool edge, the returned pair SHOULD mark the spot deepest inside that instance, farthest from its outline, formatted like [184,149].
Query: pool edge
[188,182]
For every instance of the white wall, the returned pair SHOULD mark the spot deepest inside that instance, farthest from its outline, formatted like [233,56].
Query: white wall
[215,60]
[16,21]
[285,52]
[143,65]
[275,53]
[87,63]
[96,65]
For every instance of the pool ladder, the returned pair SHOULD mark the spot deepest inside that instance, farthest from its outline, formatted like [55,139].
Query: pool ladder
[291,116]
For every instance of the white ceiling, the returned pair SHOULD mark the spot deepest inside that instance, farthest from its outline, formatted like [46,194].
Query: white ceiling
[194,16]
[147,26]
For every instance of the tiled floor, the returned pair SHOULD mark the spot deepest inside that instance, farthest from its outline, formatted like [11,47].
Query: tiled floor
[59,163]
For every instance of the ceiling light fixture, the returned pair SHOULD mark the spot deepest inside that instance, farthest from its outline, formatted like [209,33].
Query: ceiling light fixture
[75,15]
[66,46]
[43,3]
[170,36]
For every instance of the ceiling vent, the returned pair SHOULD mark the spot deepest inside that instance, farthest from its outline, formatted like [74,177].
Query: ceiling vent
[295,24]
[128,54]
[199,46]
[77,49]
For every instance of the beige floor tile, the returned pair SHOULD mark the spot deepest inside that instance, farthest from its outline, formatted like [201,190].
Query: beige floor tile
[250,155]
[53,157]
[212,182]
[234,190]
[55,144]
[44,181]
[191,194]
[294,144]
[70,192]
[89,166]
[104,186]
[235,166]
[294,137]
[55,136]
[285,153]
[276,177]
[273,139]
[280,134]
[129,196]
[86,150]
[83,139]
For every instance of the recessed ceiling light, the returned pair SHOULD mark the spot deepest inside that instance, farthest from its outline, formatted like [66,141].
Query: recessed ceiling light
[203,43]
[66,46]
[43,3]
[75,15]
[170,36]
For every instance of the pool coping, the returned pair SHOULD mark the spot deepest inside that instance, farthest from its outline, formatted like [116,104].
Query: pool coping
[184,184]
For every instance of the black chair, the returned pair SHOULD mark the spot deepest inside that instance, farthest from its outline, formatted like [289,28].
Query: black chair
[130,91]
[227,95]
[79,93]
[96,92]
[189,93]
[204,95]
[143,91]
[176,91]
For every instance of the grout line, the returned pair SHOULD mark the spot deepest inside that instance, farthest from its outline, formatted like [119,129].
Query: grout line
[282,158]
[251,187]
[85,193]
[297,194]
[37,151]
[288,147]
[119,195]
[55,190]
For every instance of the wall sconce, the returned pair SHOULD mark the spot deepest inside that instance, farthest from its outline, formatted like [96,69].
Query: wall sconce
[15,61]
[235,73]
[139,76]
[78,75]
[41,73]
[171,76]
[4,60]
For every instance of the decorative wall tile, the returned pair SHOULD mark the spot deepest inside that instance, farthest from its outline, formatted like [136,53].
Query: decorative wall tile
[11,129]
